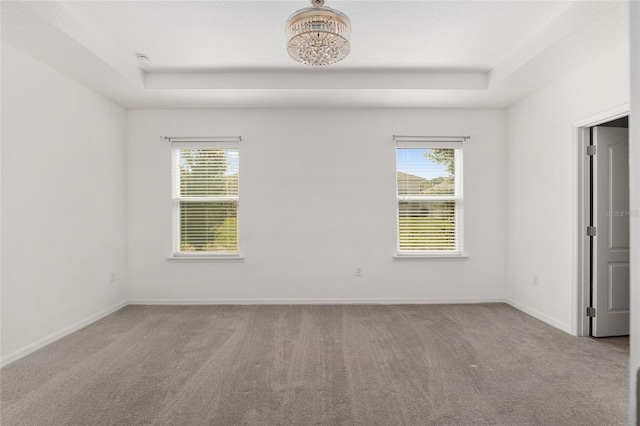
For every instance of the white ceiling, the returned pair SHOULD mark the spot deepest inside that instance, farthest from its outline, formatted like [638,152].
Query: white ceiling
[250,34]
[231,53]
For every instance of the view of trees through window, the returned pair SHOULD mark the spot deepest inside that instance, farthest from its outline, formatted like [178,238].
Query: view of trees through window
[426,199]
[208,191]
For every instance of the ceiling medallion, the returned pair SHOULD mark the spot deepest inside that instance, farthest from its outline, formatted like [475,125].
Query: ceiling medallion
[318,35]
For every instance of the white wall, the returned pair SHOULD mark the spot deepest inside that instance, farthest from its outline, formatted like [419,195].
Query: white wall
[541,195]
[634,205]
[317,195]
[63,204]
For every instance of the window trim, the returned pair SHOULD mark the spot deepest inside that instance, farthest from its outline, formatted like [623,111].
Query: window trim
[430,142]
[176,144]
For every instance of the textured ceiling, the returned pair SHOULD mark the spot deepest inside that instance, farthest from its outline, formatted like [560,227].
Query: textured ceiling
[231,53]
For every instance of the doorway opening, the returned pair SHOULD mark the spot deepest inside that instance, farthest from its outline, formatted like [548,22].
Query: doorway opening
[603,231]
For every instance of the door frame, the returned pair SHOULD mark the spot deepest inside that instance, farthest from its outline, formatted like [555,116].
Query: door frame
[581,258]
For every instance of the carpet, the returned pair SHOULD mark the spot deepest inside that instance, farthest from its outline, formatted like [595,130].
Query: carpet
[479,364]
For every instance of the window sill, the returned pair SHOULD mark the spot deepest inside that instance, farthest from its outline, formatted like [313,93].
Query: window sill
[232,258]
[401,257]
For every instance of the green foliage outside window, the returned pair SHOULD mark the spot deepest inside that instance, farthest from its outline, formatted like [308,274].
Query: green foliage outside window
[208,225]
[425,223]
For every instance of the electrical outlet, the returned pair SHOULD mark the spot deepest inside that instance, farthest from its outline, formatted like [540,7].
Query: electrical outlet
[535,279]
[358,272]
[112,277]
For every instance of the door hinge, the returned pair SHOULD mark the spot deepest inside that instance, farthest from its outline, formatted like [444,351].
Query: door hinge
[591,150]
[591,312]
[591,231]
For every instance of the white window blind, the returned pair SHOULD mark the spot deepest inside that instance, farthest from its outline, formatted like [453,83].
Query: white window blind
[205,197]
[429,196]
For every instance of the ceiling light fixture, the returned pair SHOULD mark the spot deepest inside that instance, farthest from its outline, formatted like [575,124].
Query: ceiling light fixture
[318,35]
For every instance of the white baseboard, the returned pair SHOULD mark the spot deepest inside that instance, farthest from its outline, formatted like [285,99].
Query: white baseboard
[313,301]
[16,355]
[542,317]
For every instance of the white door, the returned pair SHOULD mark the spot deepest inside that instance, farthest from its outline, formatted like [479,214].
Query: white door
[611,242]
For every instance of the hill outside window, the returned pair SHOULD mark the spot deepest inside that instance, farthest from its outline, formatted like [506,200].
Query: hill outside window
[429,196]
[205,174]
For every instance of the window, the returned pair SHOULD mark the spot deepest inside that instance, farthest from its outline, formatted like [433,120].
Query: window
[429,196]
[205,197]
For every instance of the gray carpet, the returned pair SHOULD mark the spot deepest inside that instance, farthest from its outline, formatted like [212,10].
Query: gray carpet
[485,364]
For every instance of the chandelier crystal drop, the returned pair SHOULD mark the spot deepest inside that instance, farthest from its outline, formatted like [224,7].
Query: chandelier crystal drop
[318,35]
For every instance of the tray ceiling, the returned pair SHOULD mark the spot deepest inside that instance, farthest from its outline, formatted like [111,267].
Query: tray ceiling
[232,53]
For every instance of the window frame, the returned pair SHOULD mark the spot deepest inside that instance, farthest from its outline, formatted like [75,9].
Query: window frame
[177,144]
[414,142]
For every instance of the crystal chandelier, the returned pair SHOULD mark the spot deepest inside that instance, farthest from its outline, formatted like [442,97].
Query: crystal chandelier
[318,35]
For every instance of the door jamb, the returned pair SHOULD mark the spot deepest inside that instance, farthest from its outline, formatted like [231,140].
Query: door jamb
[581,138]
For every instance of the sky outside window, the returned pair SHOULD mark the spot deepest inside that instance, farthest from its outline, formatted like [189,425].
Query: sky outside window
[232,162]
[413,161]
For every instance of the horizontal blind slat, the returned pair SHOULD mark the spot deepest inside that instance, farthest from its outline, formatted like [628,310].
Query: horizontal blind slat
[427,226]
